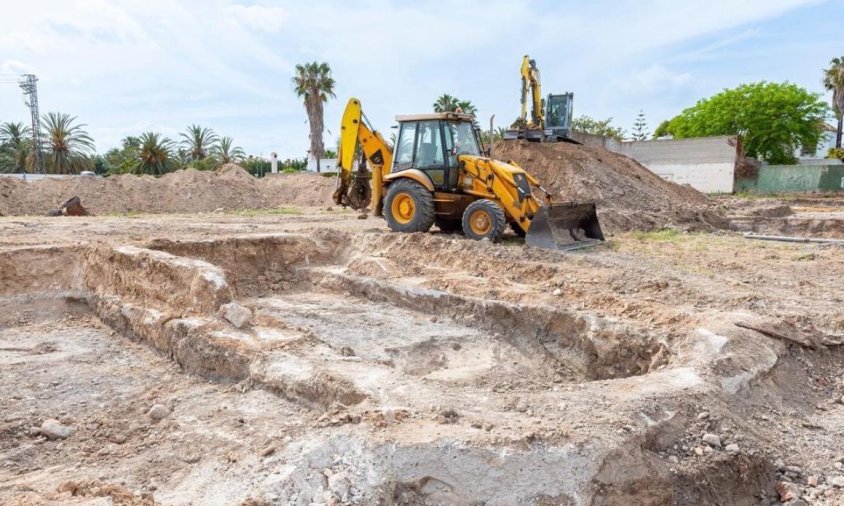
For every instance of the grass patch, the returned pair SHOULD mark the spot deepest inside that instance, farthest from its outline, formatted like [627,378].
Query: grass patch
[661,235]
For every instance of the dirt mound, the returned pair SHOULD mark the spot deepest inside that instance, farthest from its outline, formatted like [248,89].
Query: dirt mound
[303,189]
[183,191]
[629,196]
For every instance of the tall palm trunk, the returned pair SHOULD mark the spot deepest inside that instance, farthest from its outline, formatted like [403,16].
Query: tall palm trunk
[315,119]
[838,134]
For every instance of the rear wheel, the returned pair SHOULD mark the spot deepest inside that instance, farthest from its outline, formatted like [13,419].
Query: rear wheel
[448,226]
[409,207]
[484,219]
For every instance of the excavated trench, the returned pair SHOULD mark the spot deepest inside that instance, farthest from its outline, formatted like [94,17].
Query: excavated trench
[327,338]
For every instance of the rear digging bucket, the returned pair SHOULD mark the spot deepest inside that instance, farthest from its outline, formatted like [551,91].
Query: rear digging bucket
[565,226]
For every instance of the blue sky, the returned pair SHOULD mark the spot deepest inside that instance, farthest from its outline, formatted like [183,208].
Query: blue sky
[124,67]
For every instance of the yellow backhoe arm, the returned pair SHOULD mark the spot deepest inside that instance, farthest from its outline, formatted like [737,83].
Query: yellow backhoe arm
[356,132]
[531,81]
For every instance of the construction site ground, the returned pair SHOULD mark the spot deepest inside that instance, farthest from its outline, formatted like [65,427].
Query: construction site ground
[301,355]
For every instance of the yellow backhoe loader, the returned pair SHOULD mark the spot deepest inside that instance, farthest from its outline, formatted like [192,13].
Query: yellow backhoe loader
[438,175]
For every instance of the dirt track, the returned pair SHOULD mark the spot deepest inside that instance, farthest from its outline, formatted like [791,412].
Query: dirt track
[411,369]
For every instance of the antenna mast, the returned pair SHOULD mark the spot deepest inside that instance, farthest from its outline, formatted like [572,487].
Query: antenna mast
[30,89]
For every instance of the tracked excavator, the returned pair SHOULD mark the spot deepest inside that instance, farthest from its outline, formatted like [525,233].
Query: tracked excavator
[550,120]
[438,175]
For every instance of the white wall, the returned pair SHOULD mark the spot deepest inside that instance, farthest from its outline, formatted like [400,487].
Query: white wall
[325,164]
[703,177]
[707,163]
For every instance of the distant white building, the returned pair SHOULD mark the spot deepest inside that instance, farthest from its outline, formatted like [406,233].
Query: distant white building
[325,164]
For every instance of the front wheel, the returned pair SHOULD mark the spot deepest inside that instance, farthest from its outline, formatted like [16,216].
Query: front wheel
[484,219]
[409,207]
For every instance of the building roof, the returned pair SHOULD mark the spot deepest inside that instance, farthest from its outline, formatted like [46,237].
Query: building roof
[435,116]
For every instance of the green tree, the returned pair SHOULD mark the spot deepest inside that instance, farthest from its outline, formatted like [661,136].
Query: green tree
[833,80]
[663,130]
[773,119]
[226,152]
[123,159]
[313,83]
[197,141]
[15,146]
[445,103]
[640,127]
[587,125]
[68,146]
[155,155]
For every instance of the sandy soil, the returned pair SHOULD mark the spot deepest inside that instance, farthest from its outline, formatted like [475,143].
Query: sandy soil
[379,368]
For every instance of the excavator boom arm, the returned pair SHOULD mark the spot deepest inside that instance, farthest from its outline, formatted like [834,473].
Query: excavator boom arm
[356,132]
[531,82]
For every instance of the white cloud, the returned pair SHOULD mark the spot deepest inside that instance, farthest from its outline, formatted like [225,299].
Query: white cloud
[657,78]
[260,17]
[11,66]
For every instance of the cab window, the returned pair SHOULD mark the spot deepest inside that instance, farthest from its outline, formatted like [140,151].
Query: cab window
[460,140]
[404,150]
[429,145]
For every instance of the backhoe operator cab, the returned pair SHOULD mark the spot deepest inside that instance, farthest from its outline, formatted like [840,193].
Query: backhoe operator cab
[431,143]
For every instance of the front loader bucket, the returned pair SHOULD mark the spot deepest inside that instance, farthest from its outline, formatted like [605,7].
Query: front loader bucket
[565,226]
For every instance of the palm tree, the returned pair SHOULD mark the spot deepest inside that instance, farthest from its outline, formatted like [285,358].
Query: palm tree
[198,141]
[226,152]
[15,145]
[68,147]
[445,103]
[833,81]
[313,83]
[155,156]
[467,107]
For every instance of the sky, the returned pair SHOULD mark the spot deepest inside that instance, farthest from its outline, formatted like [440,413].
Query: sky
[126,67]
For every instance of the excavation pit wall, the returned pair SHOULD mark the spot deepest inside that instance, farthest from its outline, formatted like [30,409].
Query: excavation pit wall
[580,347]
[169,296]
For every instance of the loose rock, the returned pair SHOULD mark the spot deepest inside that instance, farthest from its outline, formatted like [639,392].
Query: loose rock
[712,440]
[237,315]
[158,412]
[787,490]
[52,429]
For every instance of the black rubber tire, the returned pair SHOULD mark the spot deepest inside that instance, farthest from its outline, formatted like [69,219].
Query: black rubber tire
[448,226]
[423,203]
[498,222]
[517,230]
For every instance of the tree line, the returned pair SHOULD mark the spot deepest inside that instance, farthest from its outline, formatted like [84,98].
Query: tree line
[67,148]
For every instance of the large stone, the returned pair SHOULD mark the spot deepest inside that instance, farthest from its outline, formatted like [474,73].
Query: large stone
[237,315]
[52,429]
[158,412]
[787,490]
[712,440]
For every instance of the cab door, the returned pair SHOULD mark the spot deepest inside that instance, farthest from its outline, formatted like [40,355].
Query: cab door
[430,152]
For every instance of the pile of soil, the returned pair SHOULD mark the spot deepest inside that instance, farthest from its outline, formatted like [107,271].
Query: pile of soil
[183,191]
[628,195]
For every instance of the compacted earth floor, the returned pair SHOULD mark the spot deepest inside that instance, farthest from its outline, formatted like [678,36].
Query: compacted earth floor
[305,356]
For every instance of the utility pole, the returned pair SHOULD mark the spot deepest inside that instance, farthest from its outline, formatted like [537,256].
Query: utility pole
[30,89]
